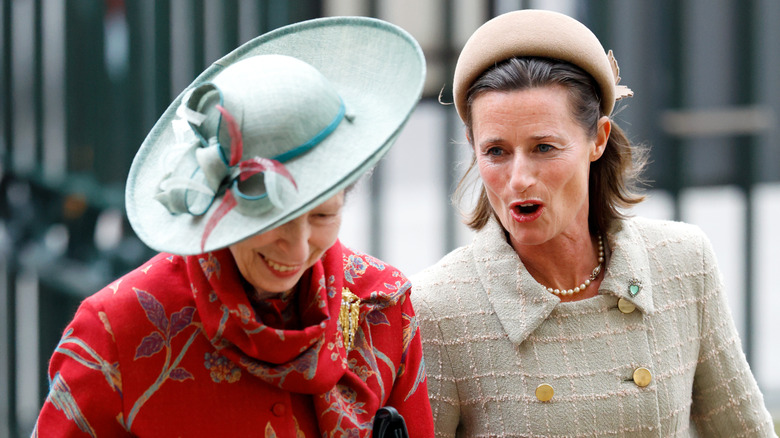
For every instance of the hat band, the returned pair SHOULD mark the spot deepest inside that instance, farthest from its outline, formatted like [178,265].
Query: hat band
[317,139]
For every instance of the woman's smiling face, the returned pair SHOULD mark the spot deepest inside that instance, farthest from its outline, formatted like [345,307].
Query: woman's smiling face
[534,159]
[274,261]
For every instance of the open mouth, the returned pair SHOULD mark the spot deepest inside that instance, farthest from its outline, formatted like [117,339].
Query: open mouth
[526,211]
[529,208]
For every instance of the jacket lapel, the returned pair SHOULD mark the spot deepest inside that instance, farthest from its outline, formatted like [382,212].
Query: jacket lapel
[519,302]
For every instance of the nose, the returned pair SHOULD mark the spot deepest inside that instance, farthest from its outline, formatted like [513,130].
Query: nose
[293,239]
[522,174]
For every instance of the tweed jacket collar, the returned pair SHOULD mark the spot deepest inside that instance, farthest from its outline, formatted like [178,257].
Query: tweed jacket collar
[522,304]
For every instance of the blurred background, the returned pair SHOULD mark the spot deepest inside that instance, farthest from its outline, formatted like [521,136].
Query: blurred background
[83,81]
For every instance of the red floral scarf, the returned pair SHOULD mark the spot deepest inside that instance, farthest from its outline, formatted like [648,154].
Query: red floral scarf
[310,360]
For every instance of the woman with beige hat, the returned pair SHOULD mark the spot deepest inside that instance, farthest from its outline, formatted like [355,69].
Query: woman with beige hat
[254,320]
[565,317]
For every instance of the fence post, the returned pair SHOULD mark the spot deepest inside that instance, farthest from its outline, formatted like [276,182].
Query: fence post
[6,160]
[745,57]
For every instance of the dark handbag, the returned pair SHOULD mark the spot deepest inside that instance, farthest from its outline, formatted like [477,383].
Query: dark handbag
[388,423]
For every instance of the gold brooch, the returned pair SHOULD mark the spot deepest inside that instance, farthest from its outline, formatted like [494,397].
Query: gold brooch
[349,317]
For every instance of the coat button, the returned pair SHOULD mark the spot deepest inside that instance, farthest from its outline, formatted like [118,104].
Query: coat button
[642,377]
[626,306]
[544,392]
[279,409]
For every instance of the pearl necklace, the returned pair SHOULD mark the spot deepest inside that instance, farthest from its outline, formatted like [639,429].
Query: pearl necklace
[581,287]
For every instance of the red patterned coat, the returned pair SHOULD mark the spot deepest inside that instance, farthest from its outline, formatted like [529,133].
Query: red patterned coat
[179,347]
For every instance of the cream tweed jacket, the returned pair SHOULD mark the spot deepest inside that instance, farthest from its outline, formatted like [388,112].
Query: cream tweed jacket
[492,335]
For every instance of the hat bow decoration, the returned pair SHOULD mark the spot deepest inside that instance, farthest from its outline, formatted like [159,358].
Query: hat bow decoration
[180,194]
[248,181]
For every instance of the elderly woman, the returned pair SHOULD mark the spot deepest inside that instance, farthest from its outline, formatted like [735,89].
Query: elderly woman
[254,320]
[564,317]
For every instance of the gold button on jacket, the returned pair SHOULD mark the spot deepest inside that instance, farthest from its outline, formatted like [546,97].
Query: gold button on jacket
[642,377]
[626,306]
[544,392]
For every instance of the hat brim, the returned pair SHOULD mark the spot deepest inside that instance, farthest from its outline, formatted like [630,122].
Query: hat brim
[376,67]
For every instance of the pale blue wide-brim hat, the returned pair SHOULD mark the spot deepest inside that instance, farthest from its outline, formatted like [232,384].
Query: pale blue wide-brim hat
[272,130]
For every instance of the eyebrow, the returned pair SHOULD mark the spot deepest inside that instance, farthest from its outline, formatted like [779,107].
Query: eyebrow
[491,140]
[536,137]
[543,136]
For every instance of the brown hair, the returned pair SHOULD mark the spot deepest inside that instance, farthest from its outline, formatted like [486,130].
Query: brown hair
[613,177]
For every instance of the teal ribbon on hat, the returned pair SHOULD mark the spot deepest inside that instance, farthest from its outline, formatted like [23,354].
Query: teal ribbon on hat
[302,149]
[223,176]
[314,141]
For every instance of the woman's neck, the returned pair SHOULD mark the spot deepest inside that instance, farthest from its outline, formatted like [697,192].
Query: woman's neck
[564,263]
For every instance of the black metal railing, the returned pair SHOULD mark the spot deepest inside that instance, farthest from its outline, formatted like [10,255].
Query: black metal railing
[116,78]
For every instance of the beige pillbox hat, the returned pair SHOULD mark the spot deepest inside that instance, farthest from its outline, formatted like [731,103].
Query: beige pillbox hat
[531,32]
